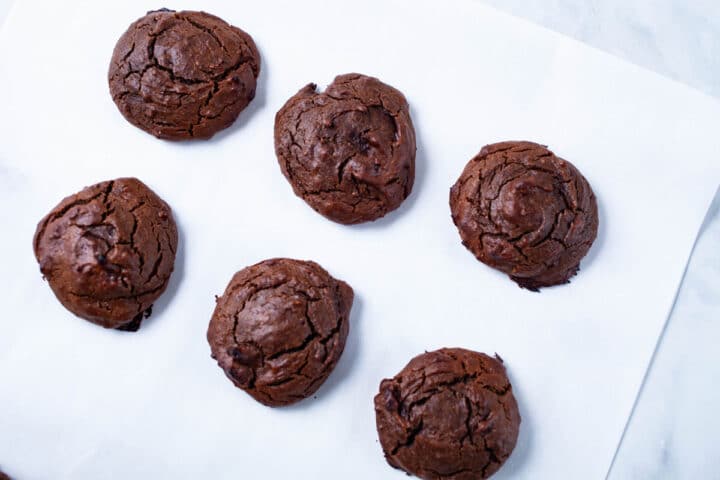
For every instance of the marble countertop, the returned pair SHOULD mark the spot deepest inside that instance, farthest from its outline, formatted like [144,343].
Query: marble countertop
[679,39]
[670,433]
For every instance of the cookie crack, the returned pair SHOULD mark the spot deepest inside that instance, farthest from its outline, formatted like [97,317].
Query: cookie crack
[133,296]
[156,265]
[468,428]
[256,289]
[411,435]
[133,232]
[299,348]
[492,457]
[306,341]
[154,63]
[62,213]
[205,29]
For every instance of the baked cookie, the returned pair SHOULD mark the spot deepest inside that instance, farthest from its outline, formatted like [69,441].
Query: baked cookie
[349,151]
[526,212]
[280,328]
[108,252]
[449,414]
[4,477]
[183,75]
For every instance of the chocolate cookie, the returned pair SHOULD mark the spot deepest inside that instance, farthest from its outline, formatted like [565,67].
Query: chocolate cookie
[4,477]
[526,212]
[280,328]
[449,414]
[182,75]
[349,152]
[108,252]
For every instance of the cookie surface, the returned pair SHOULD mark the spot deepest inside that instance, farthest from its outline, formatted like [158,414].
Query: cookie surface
[279,329]
[449,414]
[349,151]
[183,75]
[526,212]
[108,251]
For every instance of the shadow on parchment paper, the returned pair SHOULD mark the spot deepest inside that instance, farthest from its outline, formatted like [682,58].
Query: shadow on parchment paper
[599,243]
[175,280]
[421,175]
[348,361]
[515,465]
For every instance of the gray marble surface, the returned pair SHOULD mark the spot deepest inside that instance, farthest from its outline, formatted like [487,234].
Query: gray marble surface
[673,431]
[676,38]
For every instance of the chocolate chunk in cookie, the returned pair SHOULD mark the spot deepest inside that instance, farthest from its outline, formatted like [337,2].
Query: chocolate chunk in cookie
[526,212]
[280,328]
[108,252]
[449,414]
[183,75]
[349,151]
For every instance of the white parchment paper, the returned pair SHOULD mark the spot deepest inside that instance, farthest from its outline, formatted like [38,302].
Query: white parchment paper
[80,402]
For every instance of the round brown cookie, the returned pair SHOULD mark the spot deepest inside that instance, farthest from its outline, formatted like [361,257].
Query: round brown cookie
[4,476]
[182,75]
[108,252]
[449,414]
[280,328]
[526,212]
[349,151]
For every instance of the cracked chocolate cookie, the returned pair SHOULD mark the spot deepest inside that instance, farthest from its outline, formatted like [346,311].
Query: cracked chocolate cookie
[108,252]
[526,212]
[280,328]
[349,151]
[183,75]
[449,414]
[4,476]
